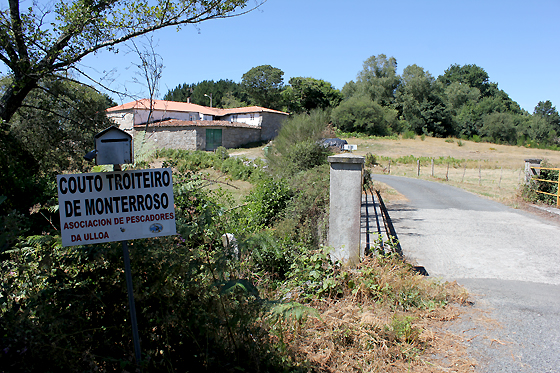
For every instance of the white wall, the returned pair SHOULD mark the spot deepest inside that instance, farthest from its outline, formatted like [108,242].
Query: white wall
[254,119]
[123,120]
[141,115]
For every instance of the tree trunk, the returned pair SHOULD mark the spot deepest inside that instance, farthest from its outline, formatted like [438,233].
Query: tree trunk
[13,98]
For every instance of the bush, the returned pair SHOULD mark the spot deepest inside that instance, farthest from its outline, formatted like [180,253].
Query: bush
[529,191]
[306,214]
[66,309]
[304,156]
[187,160]
[297,148]
[243,169]
[371,160]
[361,114]
[476,138]
[266,202]
[409,135]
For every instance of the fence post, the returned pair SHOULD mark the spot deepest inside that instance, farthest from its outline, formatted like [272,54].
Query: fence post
[479,175]
[432,167]
[418,165]
[500,182]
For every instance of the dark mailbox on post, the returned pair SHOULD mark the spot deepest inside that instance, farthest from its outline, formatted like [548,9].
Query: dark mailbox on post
[113,146]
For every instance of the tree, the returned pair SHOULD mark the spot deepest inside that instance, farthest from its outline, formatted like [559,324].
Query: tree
[223,92]
[56,125]
[47,39]
[546,111]
[379,79]
[150,69]
[361,114]
[500,127]
[305,94]
[419,99]
[264,84]
[472,75]
[459,94]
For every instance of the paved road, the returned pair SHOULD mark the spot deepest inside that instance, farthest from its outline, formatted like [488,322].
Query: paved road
[508,259]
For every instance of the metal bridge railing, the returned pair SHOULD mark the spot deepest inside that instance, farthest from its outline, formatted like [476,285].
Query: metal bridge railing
[557,182]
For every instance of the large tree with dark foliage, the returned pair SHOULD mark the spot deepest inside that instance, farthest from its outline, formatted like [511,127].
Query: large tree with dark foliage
[49,38]
[306,94]
[221,92]
[55,126]
[264,84]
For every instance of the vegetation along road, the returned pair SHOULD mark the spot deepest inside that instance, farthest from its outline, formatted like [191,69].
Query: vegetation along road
[507,259]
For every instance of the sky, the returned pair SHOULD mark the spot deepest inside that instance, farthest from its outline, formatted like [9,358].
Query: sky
[515,42]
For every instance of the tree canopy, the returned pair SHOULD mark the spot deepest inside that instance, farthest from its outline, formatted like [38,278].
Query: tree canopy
[306,94]
[264,84]
[49,38]
[56,126]
[222,92]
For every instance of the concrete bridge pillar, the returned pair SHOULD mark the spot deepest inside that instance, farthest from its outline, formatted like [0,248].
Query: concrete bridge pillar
[345,207]
[530,172]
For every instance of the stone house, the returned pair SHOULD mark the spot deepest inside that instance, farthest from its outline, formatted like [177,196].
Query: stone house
[182,125]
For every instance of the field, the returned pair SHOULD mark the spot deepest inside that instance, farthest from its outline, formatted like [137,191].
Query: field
[490,170]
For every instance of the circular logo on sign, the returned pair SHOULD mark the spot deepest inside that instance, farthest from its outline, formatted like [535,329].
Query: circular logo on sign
[156,228]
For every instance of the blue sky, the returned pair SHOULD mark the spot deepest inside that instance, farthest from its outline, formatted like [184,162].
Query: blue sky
[516,42]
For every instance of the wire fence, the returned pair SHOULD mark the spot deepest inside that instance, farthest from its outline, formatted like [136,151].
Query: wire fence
[459,173]
[486,179]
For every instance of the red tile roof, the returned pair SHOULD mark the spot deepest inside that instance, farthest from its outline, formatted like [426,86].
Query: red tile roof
[197,123]
[162,105]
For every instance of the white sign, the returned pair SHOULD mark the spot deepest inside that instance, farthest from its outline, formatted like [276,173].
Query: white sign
[115,206]
[350,147]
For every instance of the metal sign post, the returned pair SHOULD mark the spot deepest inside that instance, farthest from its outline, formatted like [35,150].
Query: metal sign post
[131,305]
[130,291]
[116,206]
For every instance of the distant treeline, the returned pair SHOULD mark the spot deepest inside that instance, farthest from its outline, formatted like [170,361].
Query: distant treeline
[462,102]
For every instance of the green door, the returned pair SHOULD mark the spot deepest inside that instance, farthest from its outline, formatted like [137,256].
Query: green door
[213,138]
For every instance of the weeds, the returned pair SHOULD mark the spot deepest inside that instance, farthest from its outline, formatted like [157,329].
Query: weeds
[279,304]
[371,319]
[530,191]
[409,135]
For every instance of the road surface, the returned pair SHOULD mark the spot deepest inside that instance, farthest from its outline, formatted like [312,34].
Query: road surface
[509,260]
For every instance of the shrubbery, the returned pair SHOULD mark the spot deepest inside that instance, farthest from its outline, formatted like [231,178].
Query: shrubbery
[199,305]
[529,191]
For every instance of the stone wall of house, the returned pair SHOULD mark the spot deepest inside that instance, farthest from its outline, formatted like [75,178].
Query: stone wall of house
[235,137]
[172,137]
[194,137]
[271,124]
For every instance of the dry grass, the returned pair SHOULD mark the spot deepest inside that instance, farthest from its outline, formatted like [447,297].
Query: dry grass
[218,180]
[501,166]
[364,331]
[490,170]
[489,155]
[498,184]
